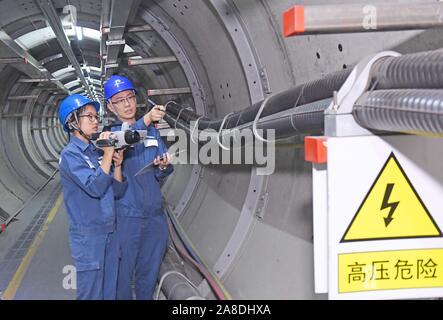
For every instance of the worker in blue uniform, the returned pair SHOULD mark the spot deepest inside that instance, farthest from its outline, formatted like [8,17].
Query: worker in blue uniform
[90,187]
[141,220]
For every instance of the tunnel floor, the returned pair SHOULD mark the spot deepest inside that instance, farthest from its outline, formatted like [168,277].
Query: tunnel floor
[34,251]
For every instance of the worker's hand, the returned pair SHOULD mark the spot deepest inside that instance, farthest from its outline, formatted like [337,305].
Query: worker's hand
[117,158]
[157,113]
[163,164]
[105,136]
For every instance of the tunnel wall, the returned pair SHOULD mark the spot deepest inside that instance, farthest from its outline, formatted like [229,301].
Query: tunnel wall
[254,231]
[274,258]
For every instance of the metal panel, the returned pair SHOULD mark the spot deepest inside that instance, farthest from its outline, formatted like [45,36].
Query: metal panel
[156,60]
[23,80]
[158,25]
[363,17]
[172,91]
[120,14]
[9,48]
[53,19]
[271,266]
[231,18]
[418,179]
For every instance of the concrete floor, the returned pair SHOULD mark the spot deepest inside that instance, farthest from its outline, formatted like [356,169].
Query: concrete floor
[34,252]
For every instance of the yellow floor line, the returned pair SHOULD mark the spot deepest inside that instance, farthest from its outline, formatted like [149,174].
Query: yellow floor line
[16,281]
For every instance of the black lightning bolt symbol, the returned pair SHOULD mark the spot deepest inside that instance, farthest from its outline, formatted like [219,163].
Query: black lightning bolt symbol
[386,204]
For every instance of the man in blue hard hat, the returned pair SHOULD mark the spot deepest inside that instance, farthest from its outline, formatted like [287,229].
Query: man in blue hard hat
[141,221]
[92,179]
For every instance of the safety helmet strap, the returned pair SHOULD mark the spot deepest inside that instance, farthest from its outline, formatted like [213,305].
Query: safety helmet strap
[76,126]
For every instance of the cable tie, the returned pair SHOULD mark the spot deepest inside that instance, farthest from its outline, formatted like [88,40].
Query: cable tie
[220,130]
[193,130]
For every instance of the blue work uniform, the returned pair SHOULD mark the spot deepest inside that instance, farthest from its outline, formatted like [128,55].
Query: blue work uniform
[90,195]
[141,222]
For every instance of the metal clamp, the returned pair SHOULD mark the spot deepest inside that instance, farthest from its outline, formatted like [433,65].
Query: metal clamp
[355,85]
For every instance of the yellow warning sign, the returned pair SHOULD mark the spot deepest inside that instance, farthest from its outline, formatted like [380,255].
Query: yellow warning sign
[392,209]
[386,270]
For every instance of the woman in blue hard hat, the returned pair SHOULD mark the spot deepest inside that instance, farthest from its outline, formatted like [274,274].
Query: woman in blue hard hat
[89,193]
[141,223]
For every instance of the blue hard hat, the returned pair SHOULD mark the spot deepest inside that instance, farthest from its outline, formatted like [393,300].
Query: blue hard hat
[72,103]
[117,84]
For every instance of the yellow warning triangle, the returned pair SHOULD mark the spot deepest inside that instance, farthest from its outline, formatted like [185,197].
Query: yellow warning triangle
[392,209]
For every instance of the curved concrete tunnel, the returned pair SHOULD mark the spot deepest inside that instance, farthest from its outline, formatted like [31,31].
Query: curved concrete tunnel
[255,232]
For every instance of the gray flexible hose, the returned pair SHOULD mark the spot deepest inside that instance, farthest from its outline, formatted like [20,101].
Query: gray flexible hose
[409,111]
[423,70]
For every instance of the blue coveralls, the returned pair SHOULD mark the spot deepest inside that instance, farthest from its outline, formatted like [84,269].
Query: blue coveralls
[141,222]
[89,196]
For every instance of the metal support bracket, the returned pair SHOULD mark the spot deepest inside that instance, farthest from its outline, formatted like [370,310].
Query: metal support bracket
[265,81]
[115,42]
[338,117]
